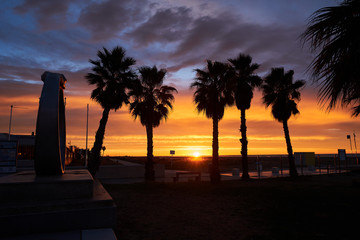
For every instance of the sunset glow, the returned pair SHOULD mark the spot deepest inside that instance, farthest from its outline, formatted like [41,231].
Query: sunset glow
[182,42]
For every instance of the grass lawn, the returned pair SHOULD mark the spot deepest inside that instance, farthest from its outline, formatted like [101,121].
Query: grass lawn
[315,207]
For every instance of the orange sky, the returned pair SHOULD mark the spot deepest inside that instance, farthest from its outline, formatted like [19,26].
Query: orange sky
[176,35]
[187,132]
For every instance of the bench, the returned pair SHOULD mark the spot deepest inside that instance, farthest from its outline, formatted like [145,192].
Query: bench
[197,178]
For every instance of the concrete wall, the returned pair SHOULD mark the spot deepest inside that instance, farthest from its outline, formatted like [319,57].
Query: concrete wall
[120,171]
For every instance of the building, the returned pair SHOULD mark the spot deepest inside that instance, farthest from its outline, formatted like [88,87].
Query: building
[26,147]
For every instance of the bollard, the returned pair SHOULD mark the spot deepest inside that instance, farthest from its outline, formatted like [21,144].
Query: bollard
[258,166]
[328,168]
[339,164]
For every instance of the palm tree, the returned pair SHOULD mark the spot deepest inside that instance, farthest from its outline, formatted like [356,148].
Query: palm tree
[281,93]
[333,33]
[112,75]
[245,81]
[211,96]
[151,101]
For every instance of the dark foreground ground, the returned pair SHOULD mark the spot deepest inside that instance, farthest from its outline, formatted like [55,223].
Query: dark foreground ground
[314,207]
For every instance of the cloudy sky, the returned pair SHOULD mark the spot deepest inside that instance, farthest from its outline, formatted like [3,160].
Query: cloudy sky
[61,36]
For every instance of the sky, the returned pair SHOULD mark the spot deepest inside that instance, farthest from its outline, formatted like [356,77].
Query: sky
[61,36]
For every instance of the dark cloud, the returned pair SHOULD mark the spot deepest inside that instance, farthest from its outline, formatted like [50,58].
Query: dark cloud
[216,39]
[21,46]
[204,35]
[186,63]
[19,80]
[107,18]
[50,15]
[18,88]
[9,72]
[166,25]
[177,36]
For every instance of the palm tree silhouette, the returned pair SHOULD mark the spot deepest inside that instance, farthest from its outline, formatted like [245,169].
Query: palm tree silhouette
[151,101]
[211,96]
[333,33]
[244,83]
[281,93]
[112,75]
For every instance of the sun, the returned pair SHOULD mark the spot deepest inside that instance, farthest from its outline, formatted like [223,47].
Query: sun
[196,154]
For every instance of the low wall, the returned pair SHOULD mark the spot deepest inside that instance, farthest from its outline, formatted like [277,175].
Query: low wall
[120,171]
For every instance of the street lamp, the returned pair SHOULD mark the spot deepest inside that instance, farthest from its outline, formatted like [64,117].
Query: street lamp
[87,134]
[11,108]
[349,137]
[357,160]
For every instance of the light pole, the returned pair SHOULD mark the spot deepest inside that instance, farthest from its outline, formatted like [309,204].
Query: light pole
[357,160]
[349,137]
[11,112]
[87,127]
[11,108]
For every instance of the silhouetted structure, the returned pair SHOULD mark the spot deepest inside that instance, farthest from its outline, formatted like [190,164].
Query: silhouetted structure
[244,83]
[151,101]
[281,93]
[212,95]
[26,145]
[333,34]
[112,75]
[26,148]
[50,126]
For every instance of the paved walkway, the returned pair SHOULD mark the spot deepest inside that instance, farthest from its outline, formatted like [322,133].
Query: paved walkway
[90,234]
[125,163]
[225,176]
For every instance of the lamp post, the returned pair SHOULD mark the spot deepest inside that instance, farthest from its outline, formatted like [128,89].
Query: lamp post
[357,160]
[172,153]
[87,127]
[349,137]
[11,112]
[11,109]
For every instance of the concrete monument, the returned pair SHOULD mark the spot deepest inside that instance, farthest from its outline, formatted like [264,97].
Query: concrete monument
[51,202]
[50,126]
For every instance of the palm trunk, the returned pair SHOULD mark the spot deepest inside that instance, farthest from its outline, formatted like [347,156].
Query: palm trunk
[149,165]
[244,144]
[94,161]
[215,170]
[292,167]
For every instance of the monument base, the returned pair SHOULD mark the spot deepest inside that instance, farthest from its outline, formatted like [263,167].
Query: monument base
[26,186]
[73,201]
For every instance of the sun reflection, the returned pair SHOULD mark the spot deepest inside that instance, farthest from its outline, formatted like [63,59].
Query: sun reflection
[196,154]
[196,157]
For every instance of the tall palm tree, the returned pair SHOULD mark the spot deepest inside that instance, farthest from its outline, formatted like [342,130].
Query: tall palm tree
[333,33]
[281,93]
[245,81]
[111,75]
[212,94]
[151,101]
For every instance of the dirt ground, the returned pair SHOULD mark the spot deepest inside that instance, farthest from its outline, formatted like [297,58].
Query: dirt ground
[312,207]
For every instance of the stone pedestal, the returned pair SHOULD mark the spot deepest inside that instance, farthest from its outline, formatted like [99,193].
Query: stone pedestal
[30,204]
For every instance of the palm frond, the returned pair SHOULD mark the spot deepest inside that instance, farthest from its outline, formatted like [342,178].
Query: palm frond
[244,79]
[333,33]
[280,92]
[151,100]
[112,75]
[211,86]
